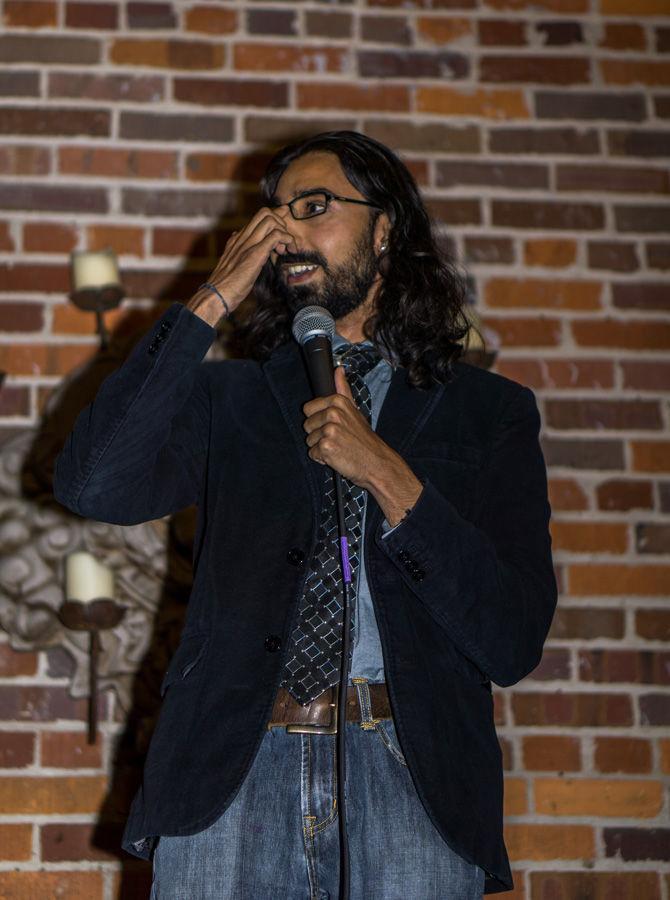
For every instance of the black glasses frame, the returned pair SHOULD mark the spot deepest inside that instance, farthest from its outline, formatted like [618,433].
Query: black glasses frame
[329,198]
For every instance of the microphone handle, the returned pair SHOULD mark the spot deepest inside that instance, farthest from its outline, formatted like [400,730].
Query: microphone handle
[319,360]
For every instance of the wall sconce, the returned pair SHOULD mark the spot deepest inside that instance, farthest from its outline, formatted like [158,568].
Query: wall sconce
[90,606]
[96,285]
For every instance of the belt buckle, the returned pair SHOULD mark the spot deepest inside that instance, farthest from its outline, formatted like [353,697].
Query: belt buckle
[331,728]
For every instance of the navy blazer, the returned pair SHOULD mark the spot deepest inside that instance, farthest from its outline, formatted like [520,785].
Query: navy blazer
[464,590]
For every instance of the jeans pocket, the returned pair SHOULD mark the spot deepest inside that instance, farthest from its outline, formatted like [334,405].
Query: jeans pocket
[386,731]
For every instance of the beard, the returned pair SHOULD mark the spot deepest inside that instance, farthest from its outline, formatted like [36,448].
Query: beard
[342,289]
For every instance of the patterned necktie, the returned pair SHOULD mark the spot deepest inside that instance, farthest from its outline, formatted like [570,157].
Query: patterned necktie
[313,662]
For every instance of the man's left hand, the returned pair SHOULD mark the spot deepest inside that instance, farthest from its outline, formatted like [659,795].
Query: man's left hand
[339,436]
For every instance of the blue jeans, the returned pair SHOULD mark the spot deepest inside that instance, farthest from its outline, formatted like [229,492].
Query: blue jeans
[278,839]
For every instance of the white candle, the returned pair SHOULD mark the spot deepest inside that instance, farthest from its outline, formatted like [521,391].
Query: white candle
[94,270]
[86,579]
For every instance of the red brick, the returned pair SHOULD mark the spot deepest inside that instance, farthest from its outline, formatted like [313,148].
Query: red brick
[651,456]
[70,750]
[572,710]
[626,754]
[26,277]
[540,842]
[522,332]
[642,218]
[553,752]
[617,666]
[167,54]
[16,842]
[328,24]
[117,163]
[15,662]
[51,795]
[489,103]
[167,127]
[68,319]
[556,253]
[501,33]
[65,842]
[542,294]
[574,623]
[623,495]
[562,885]
[55,121]
[568,141]
[210,20]
[598,797]
[590,105]
[589,537]
[631,334]
[454,210]
[638,142]
[24,159]
[412,64]
[390,98]
[387,29]
[488,250]
[150,15]
[622,179]
[91,15]
[40,359]
[540,214]
[49,237]
[559,34]
[14,401]
[229,91]
[45,49]
[653,624]
[623,36]
[122,239]
[554,665]
[17,750]
[619,579]
[583,453]
[599,414]
[658,255]
[543,69]
[36,14]
[646,376]
[180,242]
[405,134]
[633,7]
[635,71]
[23,317]
[651,295]
[615,256]
[288,58]
[48,885]
[272,21]
[556,6]
[567,494]
[19,84]
[141,89]
[510,175]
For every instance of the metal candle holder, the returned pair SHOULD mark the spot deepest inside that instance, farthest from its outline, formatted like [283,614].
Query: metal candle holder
[96,286]
[94,617]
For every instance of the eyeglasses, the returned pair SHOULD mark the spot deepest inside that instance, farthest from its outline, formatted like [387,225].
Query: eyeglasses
[315,203]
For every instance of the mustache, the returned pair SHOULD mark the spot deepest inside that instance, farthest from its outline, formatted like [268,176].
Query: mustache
[307,257]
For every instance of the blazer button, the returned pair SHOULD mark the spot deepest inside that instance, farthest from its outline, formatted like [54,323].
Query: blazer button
[296,557]
[418,575]
[152,348]
[272,643]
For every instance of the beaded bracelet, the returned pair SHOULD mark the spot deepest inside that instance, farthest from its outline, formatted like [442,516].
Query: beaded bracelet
[212,287]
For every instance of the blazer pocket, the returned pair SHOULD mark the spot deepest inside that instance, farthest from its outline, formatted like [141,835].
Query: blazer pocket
[187,656]
[447,451]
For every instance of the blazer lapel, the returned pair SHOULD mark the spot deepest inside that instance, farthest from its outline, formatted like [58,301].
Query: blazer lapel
[287,377]
[404,412]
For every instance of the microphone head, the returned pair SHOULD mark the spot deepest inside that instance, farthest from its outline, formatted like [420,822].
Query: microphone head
[311,321]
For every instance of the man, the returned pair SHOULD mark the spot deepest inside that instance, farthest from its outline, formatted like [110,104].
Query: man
[448,513]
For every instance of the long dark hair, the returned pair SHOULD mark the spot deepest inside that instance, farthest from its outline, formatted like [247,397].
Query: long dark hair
[419,315]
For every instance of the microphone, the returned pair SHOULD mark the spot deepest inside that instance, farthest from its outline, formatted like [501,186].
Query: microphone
[314,329]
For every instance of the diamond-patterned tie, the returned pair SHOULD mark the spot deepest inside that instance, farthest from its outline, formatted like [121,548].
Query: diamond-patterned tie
[313,662]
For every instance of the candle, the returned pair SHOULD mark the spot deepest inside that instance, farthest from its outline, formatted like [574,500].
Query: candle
[94,270]
[86,579]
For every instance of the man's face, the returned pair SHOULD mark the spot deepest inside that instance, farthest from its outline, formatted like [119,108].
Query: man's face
[338,246]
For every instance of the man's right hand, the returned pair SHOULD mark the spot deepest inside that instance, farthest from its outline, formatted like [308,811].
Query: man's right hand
[243,257]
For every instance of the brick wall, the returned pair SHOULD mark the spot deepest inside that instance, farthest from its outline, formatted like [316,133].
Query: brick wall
[539,132]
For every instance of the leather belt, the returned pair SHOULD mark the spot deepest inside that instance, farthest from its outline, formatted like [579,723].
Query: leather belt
[320,716]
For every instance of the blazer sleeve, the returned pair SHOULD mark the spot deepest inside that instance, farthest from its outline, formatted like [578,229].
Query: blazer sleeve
[489,582]
[138,451]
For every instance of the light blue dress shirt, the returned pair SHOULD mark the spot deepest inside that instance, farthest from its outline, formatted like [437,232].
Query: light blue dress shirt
[367,661]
